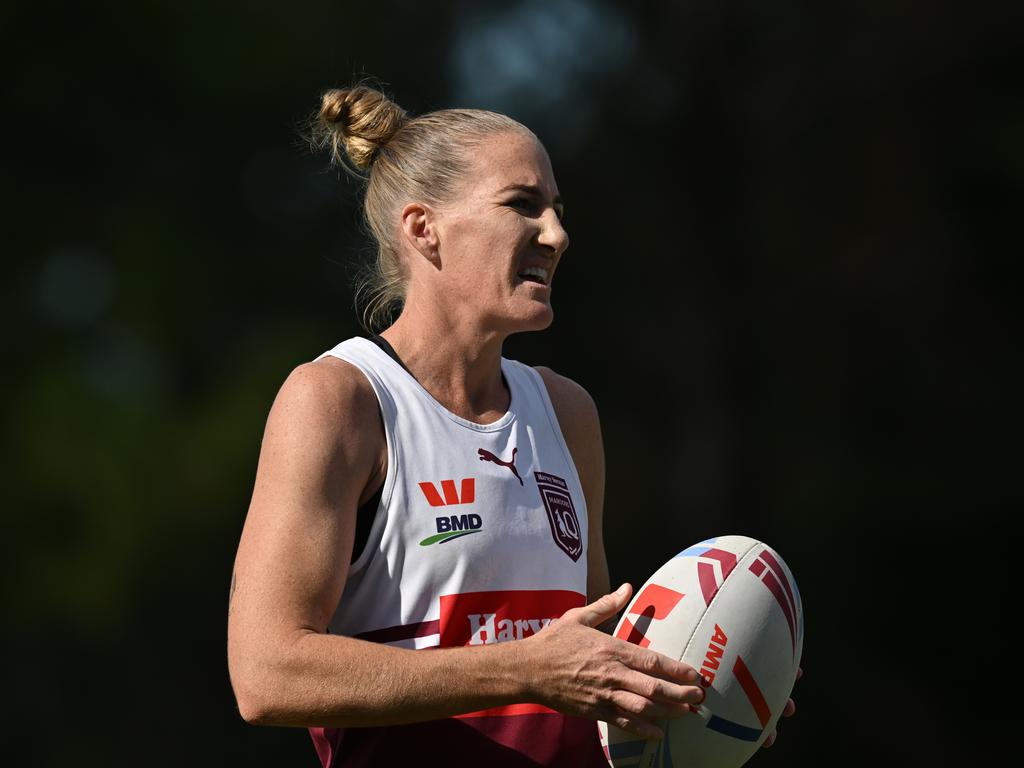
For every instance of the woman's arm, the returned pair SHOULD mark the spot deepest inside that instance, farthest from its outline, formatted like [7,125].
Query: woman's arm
[323,443]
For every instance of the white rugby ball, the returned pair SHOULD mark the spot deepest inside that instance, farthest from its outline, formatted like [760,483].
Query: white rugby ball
[729,607]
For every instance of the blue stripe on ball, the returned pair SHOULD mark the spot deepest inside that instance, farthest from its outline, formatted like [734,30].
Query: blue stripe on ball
[735,730]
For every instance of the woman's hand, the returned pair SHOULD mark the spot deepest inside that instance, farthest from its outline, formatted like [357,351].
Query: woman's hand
[787,711]
[581,671]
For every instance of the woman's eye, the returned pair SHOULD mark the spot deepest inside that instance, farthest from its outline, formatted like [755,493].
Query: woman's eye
[530,205]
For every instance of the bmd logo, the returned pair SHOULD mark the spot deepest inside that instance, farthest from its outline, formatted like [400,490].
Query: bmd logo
[453,527]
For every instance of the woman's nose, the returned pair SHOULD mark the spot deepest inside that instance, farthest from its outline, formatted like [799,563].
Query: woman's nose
[553,234]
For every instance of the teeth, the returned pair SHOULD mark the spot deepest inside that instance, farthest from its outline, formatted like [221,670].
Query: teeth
[538,272]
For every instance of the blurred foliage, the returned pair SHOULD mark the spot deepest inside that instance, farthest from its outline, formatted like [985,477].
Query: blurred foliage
[794,242]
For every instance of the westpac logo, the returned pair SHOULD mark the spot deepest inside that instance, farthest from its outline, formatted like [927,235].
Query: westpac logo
[451,496]
[453,527]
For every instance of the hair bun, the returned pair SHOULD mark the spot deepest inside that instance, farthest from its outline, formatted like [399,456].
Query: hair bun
[356,122]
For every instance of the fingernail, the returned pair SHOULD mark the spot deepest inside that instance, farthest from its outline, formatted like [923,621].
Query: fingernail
[703,695]
[622,590]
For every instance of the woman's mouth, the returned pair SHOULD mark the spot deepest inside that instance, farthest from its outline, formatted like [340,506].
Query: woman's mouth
[534,275]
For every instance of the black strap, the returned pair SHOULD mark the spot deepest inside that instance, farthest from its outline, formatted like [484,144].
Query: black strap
[381,342]
[364,522]
[368,511]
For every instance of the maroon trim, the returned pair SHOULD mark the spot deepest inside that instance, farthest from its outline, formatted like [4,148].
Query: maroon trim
[708,583]
[727,559]
[779,573]
[773,585]
[498,741]
[401,632]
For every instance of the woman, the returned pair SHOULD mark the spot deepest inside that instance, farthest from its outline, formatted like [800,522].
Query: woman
[417,490]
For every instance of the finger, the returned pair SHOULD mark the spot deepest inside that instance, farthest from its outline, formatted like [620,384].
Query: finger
[638,726]
[799,672]
[789,709]
[602,609]
[769,741]
[636,706]
[659,665]
[663,691]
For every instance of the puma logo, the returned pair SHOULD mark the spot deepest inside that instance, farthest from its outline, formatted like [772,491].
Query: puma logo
[486,455]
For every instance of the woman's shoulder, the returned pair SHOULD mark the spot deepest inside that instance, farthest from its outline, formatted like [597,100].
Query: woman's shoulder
[574,407]
[327,394]
[566,391]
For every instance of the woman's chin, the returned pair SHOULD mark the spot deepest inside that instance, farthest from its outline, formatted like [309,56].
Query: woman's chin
[539,320]
[522,316]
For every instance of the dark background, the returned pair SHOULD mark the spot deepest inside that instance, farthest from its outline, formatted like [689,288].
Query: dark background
[795,238]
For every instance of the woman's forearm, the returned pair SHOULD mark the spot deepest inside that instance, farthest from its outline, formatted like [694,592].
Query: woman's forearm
[331,681]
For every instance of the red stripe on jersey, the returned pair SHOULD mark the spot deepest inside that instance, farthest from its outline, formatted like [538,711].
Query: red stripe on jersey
[511,710]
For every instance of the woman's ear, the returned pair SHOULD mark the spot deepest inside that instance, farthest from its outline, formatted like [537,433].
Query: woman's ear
[419,228]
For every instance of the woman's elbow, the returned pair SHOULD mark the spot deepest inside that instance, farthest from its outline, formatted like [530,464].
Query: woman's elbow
[257,693]
[270,682]
[254,705]
[253,711]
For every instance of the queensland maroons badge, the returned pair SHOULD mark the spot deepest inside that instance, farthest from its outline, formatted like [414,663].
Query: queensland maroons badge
[565,526]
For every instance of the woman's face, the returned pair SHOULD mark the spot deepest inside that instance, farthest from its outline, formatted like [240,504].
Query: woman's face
[500,240]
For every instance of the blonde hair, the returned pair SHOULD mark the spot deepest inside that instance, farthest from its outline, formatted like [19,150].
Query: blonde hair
[404,158]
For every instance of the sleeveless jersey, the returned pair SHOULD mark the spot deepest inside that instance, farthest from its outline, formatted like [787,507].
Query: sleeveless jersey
[480,537]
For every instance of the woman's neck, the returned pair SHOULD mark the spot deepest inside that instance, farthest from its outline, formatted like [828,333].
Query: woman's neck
[458,364]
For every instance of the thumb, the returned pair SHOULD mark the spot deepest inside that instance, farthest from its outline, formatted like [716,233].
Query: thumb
[602,609]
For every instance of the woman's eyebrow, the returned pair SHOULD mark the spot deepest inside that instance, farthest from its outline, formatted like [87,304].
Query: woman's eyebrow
[533,190]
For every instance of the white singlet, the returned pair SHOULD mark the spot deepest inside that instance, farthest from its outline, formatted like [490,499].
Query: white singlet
[480,537]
